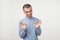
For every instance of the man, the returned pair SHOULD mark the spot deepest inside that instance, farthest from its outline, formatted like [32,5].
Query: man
[29,26]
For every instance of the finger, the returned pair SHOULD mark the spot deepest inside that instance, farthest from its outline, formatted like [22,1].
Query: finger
[35,23]
[25,24]
[39,21]
[21,23]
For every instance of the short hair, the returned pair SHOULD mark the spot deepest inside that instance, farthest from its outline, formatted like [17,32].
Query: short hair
[26,6]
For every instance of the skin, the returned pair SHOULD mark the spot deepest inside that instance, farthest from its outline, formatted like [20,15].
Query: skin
[28,13]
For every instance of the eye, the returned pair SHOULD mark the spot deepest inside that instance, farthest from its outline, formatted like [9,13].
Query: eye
[28,11]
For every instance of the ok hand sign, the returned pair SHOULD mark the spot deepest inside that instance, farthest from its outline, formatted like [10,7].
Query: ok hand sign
[37,24]
[22,25]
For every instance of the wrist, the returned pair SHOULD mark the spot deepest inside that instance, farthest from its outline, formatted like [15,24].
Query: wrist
[24,29]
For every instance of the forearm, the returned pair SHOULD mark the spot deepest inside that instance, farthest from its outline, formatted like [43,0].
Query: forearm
[22,33]
[38,30]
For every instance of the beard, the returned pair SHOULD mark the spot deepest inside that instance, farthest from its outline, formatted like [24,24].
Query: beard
[29,15]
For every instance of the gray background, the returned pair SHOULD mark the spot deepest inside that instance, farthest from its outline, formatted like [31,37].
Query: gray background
[47,10]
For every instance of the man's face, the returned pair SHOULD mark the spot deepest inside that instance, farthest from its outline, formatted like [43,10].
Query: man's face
[28,11]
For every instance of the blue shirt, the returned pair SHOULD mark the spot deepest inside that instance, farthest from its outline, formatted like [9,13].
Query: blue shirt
[31,33]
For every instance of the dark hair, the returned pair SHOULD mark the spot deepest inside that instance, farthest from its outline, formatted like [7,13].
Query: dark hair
[26,6]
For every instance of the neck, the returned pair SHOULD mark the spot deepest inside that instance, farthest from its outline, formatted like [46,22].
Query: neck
[29,16]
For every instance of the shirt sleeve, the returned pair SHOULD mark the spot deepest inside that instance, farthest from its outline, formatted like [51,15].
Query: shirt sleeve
[22,33]
[38,31]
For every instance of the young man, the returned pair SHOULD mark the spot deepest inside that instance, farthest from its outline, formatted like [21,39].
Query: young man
[29,26]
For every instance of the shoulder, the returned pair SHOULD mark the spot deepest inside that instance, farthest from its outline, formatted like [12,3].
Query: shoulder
[22,20]
[36,18]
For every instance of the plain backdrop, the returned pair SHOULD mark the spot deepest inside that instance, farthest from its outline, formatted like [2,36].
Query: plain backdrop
[47,10]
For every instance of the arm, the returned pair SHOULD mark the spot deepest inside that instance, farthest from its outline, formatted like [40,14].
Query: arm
[37,27]
[22,30]
[22,33]
[38,31]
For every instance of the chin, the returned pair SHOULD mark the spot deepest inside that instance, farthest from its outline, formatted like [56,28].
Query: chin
[29,15]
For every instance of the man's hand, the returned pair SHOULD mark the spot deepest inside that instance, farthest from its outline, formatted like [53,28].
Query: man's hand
[37,24]
[23,26]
